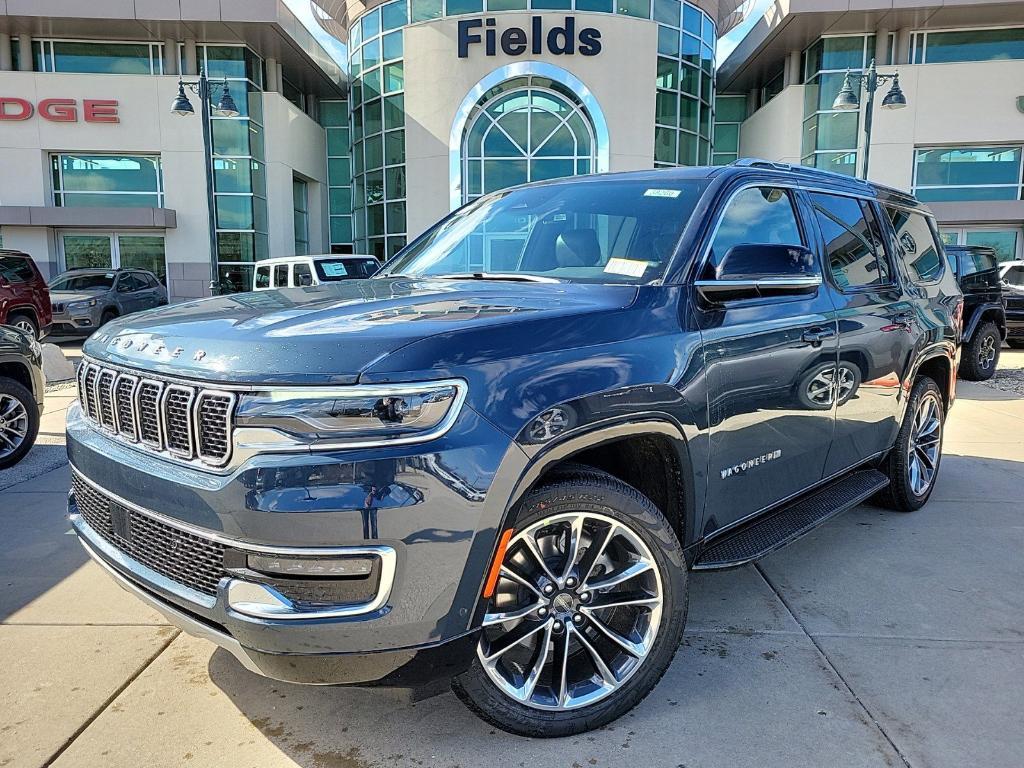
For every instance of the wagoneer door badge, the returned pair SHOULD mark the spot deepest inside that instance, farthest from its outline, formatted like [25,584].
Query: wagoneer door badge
[756,461]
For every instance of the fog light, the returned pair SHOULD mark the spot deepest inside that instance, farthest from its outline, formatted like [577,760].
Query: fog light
[329,567]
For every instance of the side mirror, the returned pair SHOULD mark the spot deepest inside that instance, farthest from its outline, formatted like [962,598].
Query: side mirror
[758,270]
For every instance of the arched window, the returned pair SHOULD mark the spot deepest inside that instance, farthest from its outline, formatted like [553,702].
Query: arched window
[526,129]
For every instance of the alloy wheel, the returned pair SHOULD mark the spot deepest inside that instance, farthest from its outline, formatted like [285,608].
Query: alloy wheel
[576,612]
[820,388]
[13,425]
[987,353]
[925,443]
[25,325]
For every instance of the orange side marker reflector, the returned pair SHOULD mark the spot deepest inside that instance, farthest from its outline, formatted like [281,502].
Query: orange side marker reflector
[499,556]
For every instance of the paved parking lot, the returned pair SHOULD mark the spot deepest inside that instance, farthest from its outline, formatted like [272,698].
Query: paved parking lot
[879,640]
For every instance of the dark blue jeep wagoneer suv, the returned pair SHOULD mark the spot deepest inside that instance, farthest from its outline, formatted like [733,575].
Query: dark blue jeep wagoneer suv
[493,464]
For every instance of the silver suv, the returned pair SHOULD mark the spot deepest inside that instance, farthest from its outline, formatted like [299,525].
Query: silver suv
[85,299]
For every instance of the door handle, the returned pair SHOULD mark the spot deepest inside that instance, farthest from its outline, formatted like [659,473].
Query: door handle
[817,335]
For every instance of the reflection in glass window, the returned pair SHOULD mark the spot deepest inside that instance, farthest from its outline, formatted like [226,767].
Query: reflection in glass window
[97,58]
[756,215]
[968,45]
[107,180]
[915,241]
[526,134]
[968,173]
[852,240]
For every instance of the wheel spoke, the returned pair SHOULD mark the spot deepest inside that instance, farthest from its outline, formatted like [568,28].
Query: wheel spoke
[598,661]
[560,664]
[624,575]
[598,542]
[507,573]
[530,685]
[572,545]
[616,599]
[532,547]
[633,649]
[513,637]
[518,613]
[11,408]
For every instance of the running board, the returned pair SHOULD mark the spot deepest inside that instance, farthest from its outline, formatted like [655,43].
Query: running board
[787,524]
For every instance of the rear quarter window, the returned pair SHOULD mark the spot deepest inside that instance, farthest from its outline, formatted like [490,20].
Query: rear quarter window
[16,269]
[917,245]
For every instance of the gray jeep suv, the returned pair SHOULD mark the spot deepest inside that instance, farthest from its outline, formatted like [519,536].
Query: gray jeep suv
[85,299]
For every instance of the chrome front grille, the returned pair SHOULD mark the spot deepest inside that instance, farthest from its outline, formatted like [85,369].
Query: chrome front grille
[177,419]
[181,556]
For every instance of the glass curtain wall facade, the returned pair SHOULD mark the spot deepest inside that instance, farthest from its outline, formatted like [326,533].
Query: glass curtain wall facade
[684,106]
[239,170]
[730,112]
[830,137]
[107,180]
[334,118]
[377,106]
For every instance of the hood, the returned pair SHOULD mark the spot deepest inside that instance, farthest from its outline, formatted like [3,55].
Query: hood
[70,296]
[330,333]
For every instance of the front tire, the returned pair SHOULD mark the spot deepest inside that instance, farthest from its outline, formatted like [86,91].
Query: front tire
[913,464]
[25,323]
[981,354]
[19,422]
[587,614]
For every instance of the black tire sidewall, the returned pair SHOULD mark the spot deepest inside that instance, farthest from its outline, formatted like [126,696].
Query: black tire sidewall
[107,316]
[970,369]
[12,387]
[15,317]
[601,494]
[902,497]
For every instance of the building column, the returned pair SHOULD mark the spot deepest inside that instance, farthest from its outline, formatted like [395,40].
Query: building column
[6,60]
[902,46]
[791,74]
[190,61]
[170,57]
[25,52]
[882,47]
[272,83]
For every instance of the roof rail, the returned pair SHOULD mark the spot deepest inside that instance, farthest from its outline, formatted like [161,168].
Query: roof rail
[756,162]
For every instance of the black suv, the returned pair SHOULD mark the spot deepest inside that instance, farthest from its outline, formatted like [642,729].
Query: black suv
[494,463]
[977,272]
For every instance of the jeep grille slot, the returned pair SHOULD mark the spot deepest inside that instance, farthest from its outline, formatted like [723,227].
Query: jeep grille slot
[177,413]
[214,425]
[149,413]
[182,556]
[174,418]
[105,396]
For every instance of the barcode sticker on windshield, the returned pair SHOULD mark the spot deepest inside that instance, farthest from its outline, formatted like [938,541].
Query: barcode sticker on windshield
[628,267]
[661,193]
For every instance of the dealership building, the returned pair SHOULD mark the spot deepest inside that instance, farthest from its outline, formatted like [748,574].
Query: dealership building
[958,143]
[97,171]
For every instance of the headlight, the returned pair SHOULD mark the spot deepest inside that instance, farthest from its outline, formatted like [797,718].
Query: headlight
[355,416]
[79,306]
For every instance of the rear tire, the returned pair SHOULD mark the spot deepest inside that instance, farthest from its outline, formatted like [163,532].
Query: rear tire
[912,465]
[981,354]
[618,528]
[19,422]
[25,323]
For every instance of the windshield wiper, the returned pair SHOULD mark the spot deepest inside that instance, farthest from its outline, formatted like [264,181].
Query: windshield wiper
[512,276]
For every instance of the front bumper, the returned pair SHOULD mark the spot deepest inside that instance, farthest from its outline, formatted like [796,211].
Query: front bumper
[79,324]
[428,505]
[1015,324]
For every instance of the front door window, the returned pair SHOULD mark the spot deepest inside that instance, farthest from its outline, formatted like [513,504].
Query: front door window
[115,250]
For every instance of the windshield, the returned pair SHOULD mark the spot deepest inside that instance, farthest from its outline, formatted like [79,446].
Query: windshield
[329,270]
[84,283]
[606,231]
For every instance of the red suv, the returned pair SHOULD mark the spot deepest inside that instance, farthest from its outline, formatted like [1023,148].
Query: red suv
[24,297]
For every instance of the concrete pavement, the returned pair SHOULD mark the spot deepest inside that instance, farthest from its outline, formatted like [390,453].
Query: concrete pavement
[878,640]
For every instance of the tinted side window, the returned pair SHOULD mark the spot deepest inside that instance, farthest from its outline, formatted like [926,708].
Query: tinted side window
[281,276]
[16,269]
[756,215]
[852,241]
[916,245]
[302,275]
[263,277]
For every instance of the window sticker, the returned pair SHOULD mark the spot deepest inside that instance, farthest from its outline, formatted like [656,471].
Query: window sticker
[628,267]
[334,269]
[662,193]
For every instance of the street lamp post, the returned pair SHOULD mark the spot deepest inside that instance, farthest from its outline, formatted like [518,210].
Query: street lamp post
[203,88]
[848,100]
